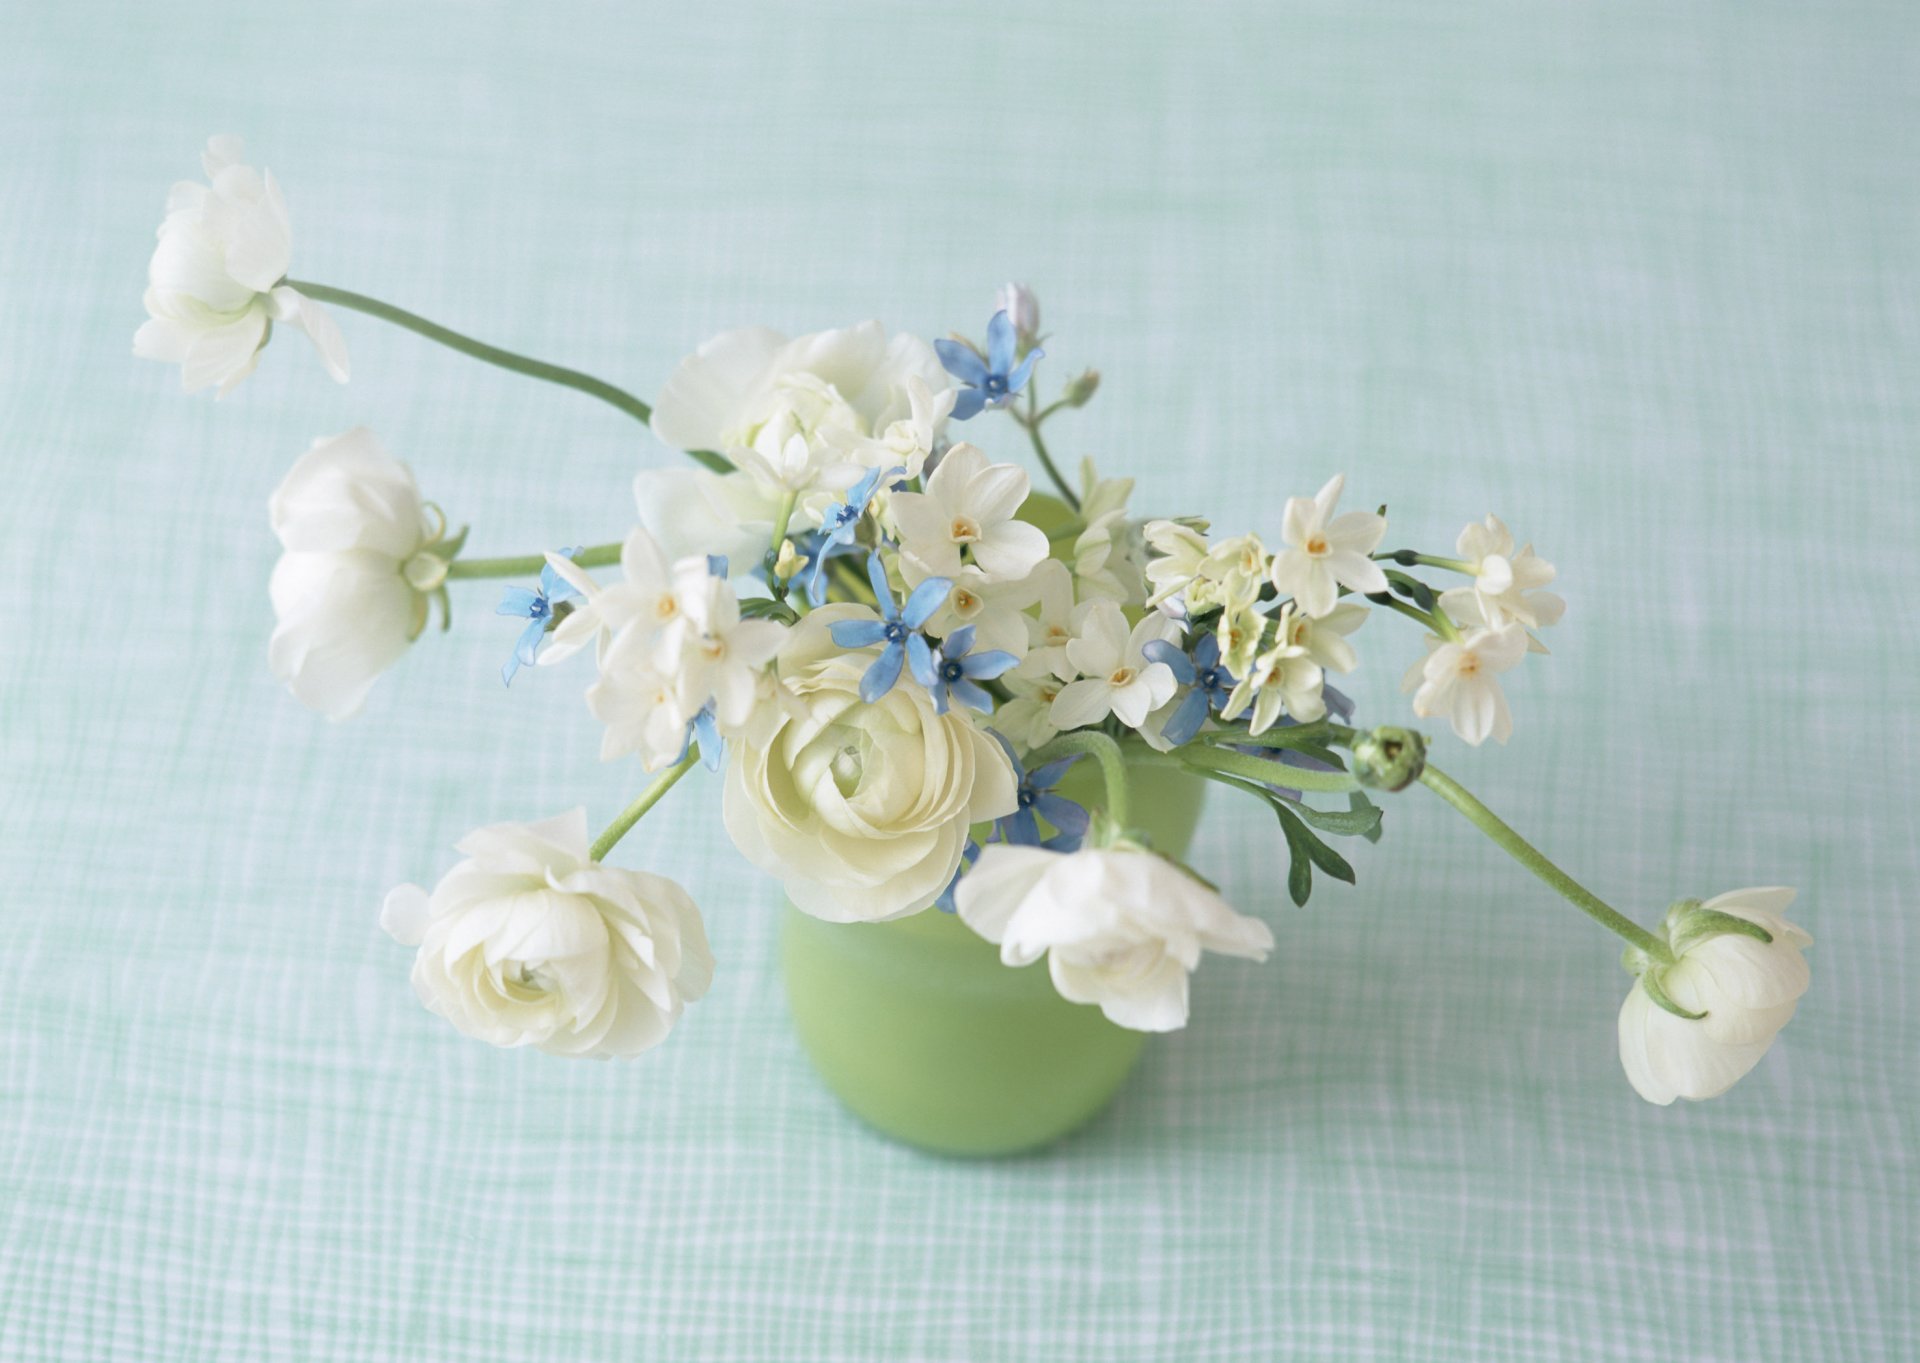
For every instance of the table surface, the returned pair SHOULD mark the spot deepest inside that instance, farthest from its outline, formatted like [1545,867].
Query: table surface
[1640,278]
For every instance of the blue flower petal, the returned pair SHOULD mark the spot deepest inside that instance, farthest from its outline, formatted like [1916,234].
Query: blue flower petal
[1000,339]
[1063,814]
[920,659]
[857,633]
[528,645]
[1206,653]
[986,666]
[927,598]
[960,361]
[971,696]
[882,589]
[706,731]
[517,601]
[1018,378]
[959,642]
[1160,651]
[878,679]
[1187,719]
[1023,828]
[968,403]
[1049,776]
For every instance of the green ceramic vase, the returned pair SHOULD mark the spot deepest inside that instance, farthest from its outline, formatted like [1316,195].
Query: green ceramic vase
[922,1032]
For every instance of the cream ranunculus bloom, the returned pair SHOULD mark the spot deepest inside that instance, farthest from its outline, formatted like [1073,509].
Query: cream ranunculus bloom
[530,942]
[351,589]
[214,289]
[861,810]
[1745,988]
[1119,926]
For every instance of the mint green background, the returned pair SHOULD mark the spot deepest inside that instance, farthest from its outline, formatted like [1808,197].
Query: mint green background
[1640,277]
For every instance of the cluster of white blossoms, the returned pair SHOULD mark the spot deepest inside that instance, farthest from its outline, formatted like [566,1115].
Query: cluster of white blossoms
[896,646]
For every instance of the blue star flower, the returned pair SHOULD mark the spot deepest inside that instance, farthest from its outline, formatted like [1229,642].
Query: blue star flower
[704,729]
[536,608]
[989,384]
[1037,798]
[1201,671]
[951,667]
[898,628]
[841,522]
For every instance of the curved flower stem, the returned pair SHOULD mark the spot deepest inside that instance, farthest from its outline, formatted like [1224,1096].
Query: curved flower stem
[648,798]
[1534,860]
[1263,770]
[1437,621]
[1113,764]
[1032,422]
[525,565]
[1407,558]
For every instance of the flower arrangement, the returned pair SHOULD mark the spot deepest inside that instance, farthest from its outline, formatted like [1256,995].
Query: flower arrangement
[896,649]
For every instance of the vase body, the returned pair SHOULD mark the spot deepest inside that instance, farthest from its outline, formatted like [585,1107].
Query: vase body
[920,1029]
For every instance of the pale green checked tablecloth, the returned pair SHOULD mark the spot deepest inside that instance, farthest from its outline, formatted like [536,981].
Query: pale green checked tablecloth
[1644,279]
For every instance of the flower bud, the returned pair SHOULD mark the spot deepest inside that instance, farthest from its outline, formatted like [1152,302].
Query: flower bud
[1081,388]
[1389,758]
[1023,310]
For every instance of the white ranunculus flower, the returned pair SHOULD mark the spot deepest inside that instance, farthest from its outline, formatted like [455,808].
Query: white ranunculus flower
[861,810]
[1119,926]
[214,286]
[1746,990]
[530,942]
[351,589]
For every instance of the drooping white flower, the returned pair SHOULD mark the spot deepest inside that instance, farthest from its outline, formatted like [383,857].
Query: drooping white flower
[862,810]
[1242,630]
[214,284]
[1745,988]
[1460,680]
[639,702]
[1116,677]
[530,942]
[1326,552]
[1284,679]
[1178,552]
[1120,927]
[968,508]
[1109,557]
[1506,584]
[1022,307]
[350,592]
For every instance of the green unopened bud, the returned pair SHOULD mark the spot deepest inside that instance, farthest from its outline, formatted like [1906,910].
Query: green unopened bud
[1081,388]
[1389,758]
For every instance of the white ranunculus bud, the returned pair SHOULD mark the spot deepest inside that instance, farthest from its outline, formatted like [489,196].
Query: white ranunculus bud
[530,942]
[351,589]
[861,810]
[1022,307]
[1119,926]
[1739,968]
[214,285]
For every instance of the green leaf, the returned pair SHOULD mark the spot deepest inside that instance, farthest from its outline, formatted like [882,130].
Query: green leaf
[1322,855]
[1300,871]
[719,463]
[1358,801]
[1357,822]
[765,608]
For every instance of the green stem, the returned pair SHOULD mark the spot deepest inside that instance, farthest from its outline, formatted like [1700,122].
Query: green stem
[1437,621]
[526,565]
[636,811]
[1406,558]
[1032,423]
[1113,764]
[1263,770]
[1534,860]
[505,359]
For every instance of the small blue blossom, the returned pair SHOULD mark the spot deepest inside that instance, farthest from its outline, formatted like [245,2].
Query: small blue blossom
[536,608]
[898,628]
[968,855]
[704,730]
[842,521]
[951,668]
[1201,671]
[994,382]
[1037,801]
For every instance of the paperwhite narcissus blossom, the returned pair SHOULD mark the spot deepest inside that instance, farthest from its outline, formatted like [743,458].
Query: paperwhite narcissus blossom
[647,595]
[350,592]
[1119,926]
[1178,552]
[1284,679]
[1460,679]
[996,610]
[1326,552]
[1109,557]
[862,810]
[1026,721]
[1747,990]
[716,655]
[1506,584]
[1116,677]
[530,942]
[969,508]
[213,286]
[1325,638]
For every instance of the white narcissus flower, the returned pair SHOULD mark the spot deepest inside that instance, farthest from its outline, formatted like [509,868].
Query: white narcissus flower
[214,286]
[1284,679]
[1178,552]
[1116,677]
[350,592]
[639,703]
[996,610]
[530,942]
[1120,927]
[1326,552]
[1324,639]
[1050,628]
[1460,679]
[647,595]
[1744,988]
[719,656]
[862,810]
[1506,584]
[968,508]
